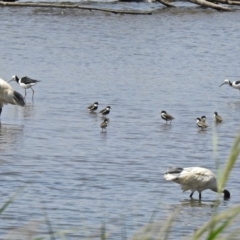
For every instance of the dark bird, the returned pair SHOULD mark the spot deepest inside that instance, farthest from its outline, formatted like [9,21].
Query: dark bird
[201,124]
[104,124]
[93,107]
[217,118]
[105,111]
[25,82]
[8,95]
[194,179]
[167,117]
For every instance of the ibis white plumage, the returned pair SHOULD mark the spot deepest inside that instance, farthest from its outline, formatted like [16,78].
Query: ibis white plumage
[235,84]
[194,179]
[8,95]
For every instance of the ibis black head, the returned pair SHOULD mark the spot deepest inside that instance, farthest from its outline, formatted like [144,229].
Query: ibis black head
[226,194]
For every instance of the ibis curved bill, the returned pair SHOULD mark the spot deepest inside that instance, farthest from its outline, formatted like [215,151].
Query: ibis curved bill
[8,95]
[194,179]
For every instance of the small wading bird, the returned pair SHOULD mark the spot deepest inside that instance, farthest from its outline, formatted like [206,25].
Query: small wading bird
[194,179]
[165,116]
[203,119]
[235,84]
[8,95]
[25,82]
[105,111]
[201,124]
[104,124]
[217,118]
[93,107]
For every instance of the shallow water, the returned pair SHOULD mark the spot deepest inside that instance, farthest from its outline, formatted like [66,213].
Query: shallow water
[173,60]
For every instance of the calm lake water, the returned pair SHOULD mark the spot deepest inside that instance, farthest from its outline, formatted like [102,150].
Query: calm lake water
[173,60]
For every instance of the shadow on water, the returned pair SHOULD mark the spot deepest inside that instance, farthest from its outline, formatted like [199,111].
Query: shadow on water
[28,111]
[166,127]
[234,104]
[199,203]
[9,135]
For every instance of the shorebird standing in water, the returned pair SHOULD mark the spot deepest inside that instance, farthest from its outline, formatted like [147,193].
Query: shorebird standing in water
[235,84]
[105,111]
[104,124]
[165,116]
[25,82]
[93,107]
[203,119]
[201,124]
[217,118]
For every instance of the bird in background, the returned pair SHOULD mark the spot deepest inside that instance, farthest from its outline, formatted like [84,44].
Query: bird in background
[25,82]
[194,179]
[217,118]
[105,111]
[104,124]
[235,84]
[167,117]
[8,95]
[203,118]
[201,124]
[93,107]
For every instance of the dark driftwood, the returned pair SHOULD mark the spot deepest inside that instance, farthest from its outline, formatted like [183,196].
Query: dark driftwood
[166,3]
[54,5]
[210,4]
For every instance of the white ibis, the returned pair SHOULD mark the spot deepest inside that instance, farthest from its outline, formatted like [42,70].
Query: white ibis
[8,95]
[194,179]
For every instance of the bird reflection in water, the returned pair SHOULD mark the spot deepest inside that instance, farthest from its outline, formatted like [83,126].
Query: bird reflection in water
[9,135]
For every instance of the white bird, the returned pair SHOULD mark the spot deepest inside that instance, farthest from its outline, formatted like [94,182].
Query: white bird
[8,95]
[194,179]
[25,82]
[235,84]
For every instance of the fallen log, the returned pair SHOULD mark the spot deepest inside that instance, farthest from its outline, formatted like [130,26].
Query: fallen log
[165,3]
[54,5]
[210,5]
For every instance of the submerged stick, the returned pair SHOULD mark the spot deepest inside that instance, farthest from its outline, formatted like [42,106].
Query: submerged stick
[54,5]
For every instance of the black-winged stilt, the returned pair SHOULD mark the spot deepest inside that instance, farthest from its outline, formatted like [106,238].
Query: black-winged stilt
[8,95]
[235,84]
[167,117]
[93,107]
[217,118]
[25,82]
[105,111]
[194,179]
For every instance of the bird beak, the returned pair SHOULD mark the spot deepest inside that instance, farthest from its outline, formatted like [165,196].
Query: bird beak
[222,84]
[10,80]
